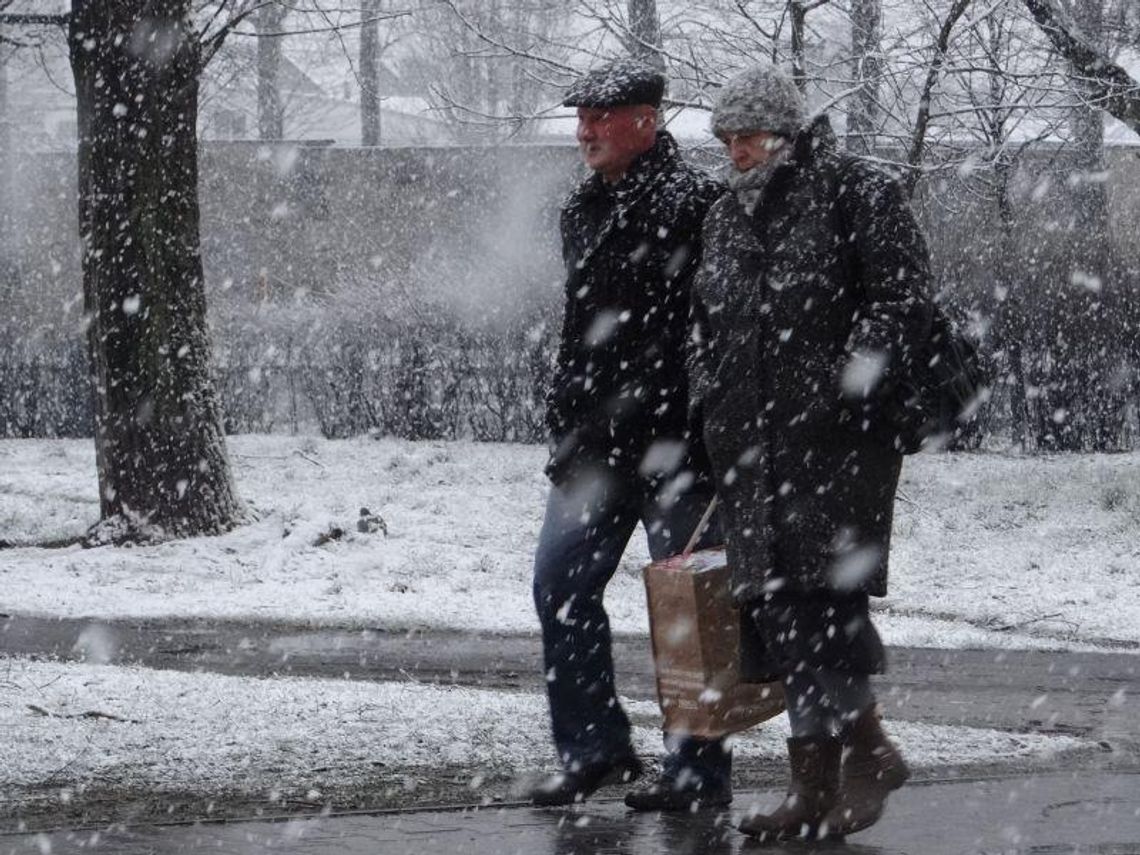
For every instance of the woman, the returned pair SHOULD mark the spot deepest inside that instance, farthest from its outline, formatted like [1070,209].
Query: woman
[812,296]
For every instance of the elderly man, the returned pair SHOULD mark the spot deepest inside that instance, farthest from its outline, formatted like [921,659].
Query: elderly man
[620,445]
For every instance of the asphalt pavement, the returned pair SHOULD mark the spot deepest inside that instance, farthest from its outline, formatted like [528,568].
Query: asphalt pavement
[1091,695]
[1039,815]
[1091,806]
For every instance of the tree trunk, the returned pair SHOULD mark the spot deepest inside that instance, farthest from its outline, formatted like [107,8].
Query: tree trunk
[863,107]
[160,451]
[1087,122]
[799,48]
[6,161]
[370,73]
[1010,326]
[1116,91]
[270,110]
[925,98]
[1091,354]
[645,32]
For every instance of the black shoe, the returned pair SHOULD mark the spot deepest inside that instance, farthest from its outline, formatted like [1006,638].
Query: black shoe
[571,786]
[684,792]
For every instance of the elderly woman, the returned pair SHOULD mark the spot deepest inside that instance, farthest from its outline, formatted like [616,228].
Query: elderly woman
[811,300]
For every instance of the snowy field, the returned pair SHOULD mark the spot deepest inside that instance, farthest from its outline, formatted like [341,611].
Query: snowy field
[160,731]
[990,550]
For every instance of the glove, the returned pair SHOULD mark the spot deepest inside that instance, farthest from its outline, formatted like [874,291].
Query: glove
[564,453]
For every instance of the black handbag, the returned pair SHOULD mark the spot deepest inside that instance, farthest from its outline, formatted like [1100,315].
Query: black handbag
[949,380]
[936,401]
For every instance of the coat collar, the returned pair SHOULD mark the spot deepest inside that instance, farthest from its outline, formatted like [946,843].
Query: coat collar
[816,141]
[644,168]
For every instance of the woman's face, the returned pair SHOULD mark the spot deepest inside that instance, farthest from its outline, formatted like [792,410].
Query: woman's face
[752,149]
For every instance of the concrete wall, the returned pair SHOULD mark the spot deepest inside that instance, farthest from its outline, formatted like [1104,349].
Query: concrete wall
[473,228]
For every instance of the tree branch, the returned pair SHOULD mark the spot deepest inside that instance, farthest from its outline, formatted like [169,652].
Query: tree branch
[1112,87]
[25,20]
[922,120]
[331,28]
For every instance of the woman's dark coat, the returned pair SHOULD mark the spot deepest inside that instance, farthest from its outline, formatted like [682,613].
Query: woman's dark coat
[631,250]
[831,263]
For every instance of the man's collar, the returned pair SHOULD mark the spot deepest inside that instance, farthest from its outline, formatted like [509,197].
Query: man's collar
[644,167]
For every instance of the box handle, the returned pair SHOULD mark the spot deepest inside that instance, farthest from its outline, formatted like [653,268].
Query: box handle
[701,526]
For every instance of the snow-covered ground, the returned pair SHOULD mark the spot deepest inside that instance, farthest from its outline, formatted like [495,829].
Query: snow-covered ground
[65,725]
[989,550]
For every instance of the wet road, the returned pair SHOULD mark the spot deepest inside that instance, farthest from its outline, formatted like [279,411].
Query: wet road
[1040,815]
[1092,695]
[1092,808]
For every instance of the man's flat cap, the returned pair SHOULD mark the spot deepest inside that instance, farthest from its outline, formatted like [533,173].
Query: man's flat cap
[620,83]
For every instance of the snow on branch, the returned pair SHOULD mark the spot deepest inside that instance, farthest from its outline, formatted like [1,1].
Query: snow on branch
[18,19]
[1113,88]
[922,121]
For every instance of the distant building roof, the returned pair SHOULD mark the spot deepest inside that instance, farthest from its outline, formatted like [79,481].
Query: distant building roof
[41,106]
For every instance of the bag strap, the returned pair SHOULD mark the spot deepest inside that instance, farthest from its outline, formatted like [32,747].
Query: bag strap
[706,517]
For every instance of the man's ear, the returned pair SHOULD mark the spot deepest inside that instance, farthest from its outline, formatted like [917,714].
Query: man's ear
[650,117]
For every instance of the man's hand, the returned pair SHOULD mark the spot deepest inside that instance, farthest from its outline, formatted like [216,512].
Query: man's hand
[563,452]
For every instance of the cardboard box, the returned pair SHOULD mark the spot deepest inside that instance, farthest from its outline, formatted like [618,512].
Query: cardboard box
[695,631]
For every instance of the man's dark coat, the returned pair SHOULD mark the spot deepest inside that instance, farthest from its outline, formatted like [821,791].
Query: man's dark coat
[631,250]
[830,263]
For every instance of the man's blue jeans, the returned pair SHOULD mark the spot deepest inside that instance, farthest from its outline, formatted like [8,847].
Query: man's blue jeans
[584,533]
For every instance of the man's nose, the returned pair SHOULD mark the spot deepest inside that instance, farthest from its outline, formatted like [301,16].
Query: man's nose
[586,132]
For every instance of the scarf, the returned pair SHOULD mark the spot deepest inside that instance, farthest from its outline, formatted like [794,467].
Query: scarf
[749,185]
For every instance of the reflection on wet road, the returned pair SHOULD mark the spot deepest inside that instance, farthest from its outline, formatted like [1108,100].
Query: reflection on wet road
[1081,812]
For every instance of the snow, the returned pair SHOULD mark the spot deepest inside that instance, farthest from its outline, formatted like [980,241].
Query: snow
[163,731]
[989,550]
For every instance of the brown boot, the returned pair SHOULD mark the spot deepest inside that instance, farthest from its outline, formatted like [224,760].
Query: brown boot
[811,795]
[872,769]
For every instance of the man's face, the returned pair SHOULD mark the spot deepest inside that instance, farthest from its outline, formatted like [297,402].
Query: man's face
[752,149]
[611,137]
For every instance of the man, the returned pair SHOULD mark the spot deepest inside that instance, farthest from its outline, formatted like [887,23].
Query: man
[811,306]
[617,414]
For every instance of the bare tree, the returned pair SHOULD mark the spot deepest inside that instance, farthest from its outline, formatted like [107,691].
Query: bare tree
[1114,89]
[1088,129]
[1012,98]
[798,10]
[922,120]
[645,32]
[5,156]
[1086,351]
[270,111]
[160,451]
[161,456]
[17,31]
[866,45]
[370,73]
[491,64]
